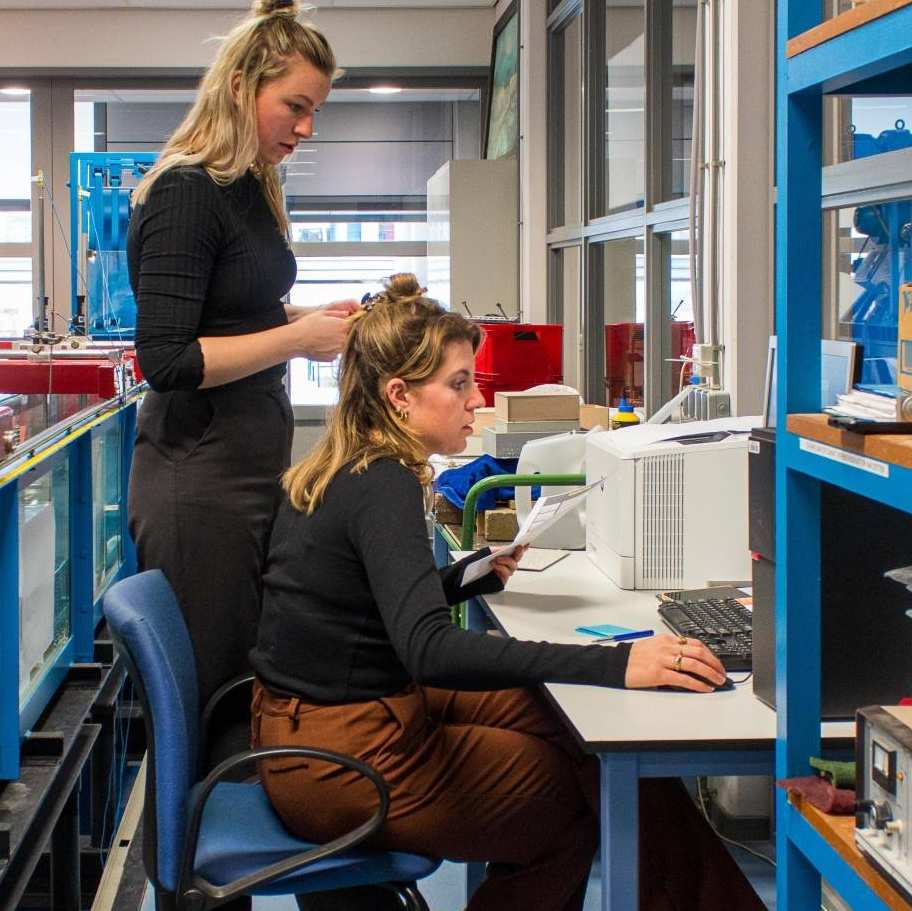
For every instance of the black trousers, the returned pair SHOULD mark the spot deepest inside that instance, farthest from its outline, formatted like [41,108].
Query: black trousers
[204,488]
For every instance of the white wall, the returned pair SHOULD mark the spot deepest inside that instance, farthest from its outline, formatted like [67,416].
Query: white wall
[156,39]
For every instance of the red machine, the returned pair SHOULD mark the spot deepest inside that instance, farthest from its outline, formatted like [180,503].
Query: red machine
[624,358]
[515,356]
[61,375]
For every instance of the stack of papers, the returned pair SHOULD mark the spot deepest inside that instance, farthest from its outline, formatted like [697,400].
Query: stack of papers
[874,403]
[545,512]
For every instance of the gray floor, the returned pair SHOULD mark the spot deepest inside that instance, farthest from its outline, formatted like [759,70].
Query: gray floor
[445,890]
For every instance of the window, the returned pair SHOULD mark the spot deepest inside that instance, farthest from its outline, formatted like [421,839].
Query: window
[322,280]
[15,295]
[859,127]
[565,163]
[861,293]
[15,166]
[624,92]
[677,98]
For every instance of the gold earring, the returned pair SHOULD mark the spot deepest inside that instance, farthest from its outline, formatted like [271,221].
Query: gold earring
[402,414]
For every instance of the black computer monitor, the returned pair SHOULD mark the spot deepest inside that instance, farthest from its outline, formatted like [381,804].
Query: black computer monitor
[839,363]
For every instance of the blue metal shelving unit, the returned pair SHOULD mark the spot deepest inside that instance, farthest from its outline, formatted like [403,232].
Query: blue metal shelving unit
[868,59]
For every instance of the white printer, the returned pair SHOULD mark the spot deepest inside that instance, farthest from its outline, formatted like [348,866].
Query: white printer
[671,511]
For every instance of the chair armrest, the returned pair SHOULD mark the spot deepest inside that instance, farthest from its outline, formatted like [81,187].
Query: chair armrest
[505,480]
[190,881]
[226,689]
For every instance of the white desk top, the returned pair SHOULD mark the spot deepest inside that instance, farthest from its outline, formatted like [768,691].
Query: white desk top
[549,605]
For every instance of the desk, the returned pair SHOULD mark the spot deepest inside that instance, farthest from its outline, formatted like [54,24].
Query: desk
[635,733]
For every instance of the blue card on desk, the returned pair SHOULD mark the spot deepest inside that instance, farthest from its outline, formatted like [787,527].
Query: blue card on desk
[610,631]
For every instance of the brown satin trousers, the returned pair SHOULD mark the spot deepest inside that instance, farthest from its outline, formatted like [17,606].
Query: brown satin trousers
[492,777]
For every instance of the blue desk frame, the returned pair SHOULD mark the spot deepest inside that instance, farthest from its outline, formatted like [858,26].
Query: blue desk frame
[620,774]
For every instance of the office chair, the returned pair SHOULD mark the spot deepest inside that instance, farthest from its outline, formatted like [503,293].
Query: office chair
[209,841]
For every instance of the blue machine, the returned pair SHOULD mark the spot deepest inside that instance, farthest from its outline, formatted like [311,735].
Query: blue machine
[882,265]
[103,306]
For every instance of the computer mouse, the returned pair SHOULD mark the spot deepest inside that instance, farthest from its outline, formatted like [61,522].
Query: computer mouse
[728,685]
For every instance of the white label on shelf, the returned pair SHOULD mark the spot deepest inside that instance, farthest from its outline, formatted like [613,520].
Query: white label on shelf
[873,466]
[753,447]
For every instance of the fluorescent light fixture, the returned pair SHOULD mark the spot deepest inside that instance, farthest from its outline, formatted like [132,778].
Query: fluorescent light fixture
[384,90]
[14,90]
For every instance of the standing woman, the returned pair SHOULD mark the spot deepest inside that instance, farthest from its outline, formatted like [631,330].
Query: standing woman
[210,265]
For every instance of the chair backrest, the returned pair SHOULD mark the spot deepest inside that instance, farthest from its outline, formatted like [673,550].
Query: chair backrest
[148,627]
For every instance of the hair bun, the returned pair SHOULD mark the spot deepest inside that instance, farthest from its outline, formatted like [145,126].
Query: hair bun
[402,286]
[276,7]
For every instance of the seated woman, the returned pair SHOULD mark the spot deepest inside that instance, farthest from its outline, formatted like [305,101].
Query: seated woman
[357,653]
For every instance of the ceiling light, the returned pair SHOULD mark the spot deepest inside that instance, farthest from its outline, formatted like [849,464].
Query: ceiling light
[14,90]
[384,90]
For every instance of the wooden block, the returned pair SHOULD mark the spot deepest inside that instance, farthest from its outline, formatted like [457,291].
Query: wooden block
[484,417]
[536,406]
[445,512]
[594,416]
[500,525]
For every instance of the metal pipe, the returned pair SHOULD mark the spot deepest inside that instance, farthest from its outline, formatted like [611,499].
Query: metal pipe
[713,193]
[41,320]
[696,178]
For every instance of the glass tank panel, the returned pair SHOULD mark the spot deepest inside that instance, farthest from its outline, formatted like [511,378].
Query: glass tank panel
[44,575]
[107,543]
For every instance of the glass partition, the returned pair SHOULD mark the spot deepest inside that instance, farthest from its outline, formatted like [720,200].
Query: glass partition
[623,292]
[565,157]
[678,328]
[44,575]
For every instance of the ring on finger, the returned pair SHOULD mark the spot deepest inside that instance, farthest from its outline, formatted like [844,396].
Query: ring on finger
[682,640]
[676,664]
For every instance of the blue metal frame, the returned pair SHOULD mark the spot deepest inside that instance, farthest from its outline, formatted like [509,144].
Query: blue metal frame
[9,632]
[871,50]
[98,178]
[15,722]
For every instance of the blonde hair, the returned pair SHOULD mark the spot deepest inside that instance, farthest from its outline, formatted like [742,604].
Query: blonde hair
[399,333]
[220,131]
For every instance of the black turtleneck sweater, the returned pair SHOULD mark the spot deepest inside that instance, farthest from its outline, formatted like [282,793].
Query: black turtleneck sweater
[205,260]
[354,608]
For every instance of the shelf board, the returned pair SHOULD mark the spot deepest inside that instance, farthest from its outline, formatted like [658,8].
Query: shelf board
[896,449]
[839,25]
[838,832]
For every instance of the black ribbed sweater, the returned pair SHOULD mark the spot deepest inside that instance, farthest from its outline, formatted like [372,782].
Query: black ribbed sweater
[205,260]
[354,608]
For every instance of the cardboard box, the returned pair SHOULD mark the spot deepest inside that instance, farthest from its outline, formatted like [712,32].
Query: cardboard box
[550,427]
[594,416]
[445,512]
[484,417]
[536,406]
[500,525]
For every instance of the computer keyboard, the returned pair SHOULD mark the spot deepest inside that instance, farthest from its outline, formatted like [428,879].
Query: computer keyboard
[717,618]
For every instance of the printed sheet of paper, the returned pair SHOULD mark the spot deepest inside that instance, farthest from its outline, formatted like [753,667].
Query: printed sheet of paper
[545,512]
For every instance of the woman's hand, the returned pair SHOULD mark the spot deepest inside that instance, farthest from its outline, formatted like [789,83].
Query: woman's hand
[667,661]
[505,565]
[346,307]
[321,334]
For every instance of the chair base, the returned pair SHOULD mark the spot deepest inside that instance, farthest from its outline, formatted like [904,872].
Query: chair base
[404,896]
[397,897]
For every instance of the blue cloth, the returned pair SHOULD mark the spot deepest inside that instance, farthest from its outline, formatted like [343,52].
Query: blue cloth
[455,483]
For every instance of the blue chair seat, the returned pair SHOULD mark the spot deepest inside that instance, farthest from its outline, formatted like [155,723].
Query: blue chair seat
[227,852]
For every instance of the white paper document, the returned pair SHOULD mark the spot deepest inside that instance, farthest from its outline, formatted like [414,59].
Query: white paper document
[545,512]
